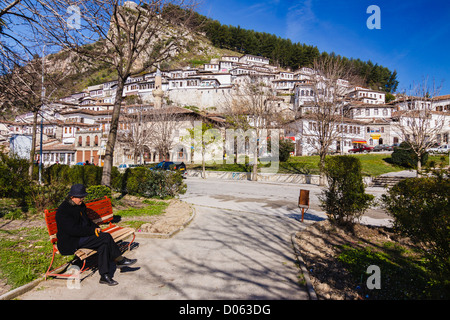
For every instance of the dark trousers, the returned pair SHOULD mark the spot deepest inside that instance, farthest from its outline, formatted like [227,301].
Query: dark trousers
[106,248]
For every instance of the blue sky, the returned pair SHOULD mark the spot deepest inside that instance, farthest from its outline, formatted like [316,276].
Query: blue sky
[414,38]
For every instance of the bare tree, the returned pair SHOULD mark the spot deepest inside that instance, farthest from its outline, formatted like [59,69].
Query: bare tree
[328,84]
[163,125]
[130,37]
[252,105]
[416,122]
[135,133]
[28,88]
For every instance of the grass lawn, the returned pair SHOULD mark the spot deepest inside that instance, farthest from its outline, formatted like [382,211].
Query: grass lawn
[373,164]
[25,255]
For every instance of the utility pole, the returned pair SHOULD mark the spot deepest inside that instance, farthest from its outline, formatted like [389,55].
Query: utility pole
[42,117]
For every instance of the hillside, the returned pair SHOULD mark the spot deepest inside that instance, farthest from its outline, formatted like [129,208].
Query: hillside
[79,75]
[213,40]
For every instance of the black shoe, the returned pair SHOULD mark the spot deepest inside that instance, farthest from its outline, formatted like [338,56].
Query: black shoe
[106,279]
[125,262]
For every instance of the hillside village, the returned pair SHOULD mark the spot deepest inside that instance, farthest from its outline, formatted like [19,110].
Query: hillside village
[75,128]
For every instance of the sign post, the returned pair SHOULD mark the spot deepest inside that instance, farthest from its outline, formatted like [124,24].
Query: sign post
[303,201]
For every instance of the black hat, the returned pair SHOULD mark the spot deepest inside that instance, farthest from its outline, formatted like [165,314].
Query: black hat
[78,191]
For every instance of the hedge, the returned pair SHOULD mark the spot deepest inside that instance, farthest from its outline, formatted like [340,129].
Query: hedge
[345,199]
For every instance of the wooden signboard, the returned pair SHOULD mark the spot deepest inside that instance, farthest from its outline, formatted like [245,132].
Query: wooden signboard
[303,201]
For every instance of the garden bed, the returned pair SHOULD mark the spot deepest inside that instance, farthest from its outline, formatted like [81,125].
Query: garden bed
[337,260]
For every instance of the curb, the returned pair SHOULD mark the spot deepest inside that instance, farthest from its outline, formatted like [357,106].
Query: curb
[309,286]
[21,290]
[27,287]
[167,235]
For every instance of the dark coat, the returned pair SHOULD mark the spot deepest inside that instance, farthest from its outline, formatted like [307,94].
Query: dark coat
[73,223]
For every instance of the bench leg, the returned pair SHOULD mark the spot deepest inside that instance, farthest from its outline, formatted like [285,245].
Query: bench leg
[129,245]
[52,274]
[51,263]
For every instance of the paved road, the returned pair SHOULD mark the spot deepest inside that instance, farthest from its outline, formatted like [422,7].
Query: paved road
[237,247]
[267,198]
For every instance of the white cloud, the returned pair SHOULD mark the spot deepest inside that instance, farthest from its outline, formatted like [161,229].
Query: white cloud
[301,20]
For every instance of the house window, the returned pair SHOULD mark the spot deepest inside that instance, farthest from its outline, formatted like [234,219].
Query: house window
[88,141]
[80,141]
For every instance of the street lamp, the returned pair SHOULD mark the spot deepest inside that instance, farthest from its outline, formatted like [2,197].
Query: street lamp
[42,116]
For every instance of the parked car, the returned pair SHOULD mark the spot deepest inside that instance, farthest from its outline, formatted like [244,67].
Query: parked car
[362,148]
[163,165]
[124,166]
[182,168]
[445,148]
[169,165]
[382,147]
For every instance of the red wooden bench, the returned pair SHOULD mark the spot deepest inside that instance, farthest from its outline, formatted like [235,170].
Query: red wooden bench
[99,211]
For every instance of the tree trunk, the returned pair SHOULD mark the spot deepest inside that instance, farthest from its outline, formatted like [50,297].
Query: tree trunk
[255,157]
[33,144]
[322,177]
[255,162]
[419,166]
[109,152]
[203,162]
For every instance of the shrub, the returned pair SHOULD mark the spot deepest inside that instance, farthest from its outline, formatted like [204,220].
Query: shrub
[421,210]
[286,147]
[404,156]
[96,192]
[171,184]
[92,175]
[134,179]
[152,183]
[116,179]
[42,197]
[344,200]
[58,173]
[14,179]
[87,175]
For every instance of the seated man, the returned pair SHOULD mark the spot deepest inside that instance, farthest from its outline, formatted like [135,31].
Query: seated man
[76,230]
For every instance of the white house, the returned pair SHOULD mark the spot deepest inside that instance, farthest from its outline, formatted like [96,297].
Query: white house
[441,103]
[251,59]
[412,103]
[234,59]
[359,110]
[367,96]
[346,133]
[212,67]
